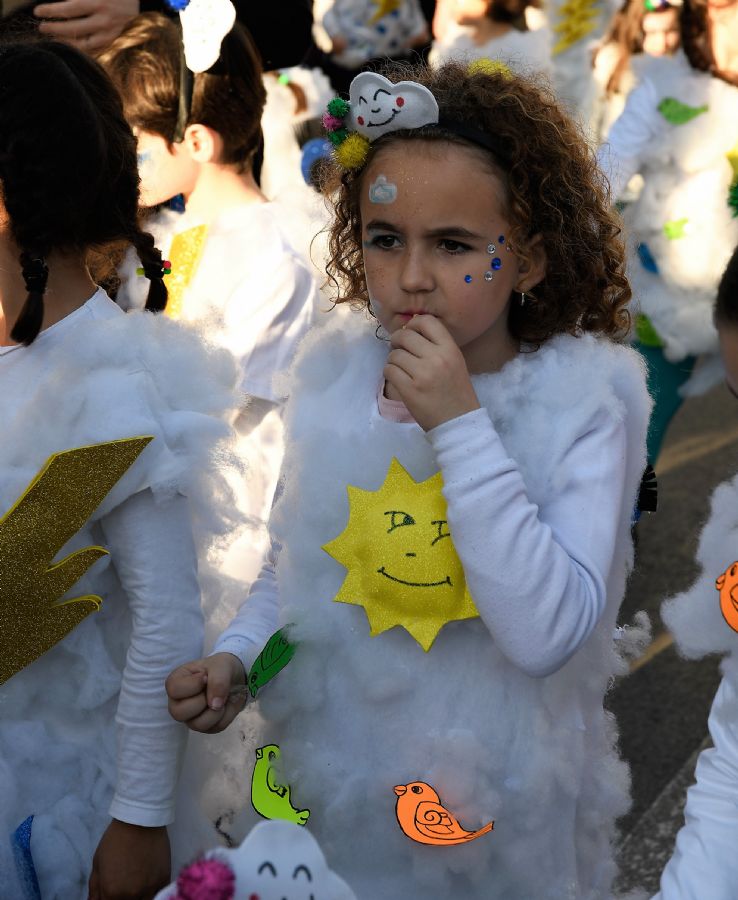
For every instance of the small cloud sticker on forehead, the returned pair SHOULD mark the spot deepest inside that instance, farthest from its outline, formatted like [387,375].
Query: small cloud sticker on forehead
[382,191]
[378,106]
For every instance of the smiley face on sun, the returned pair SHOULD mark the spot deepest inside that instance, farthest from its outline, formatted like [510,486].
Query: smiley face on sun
[402,564]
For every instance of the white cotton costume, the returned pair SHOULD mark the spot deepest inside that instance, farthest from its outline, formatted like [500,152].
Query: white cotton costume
[96,376]
[705,863]
[523,51]
[503,716]
[682,213]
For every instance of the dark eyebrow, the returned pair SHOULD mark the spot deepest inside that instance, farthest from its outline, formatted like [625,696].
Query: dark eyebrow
[727,385]
[267,865]
[302,869]
[450,231]
[379,225]
[380,91]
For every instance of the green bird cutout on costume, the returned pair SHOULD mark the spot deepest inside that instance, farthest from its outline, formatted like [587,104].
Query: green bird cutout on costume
[277,652]
[34,616]
[677,113]
[268,797]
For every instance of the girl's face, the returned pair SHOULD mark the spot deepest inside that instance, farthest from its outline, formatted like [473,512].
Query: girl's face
[661,34]
[165,170]
[435,240]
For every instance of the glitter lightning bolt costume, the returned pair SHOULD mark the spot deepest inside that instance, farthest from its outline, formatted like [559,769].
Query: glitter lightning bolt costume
[109,492]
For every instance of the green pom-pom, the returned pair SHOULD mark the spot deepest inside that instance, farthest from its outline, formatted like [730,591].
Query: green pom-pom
[338,107]
[353,151]
[337,137]
[733,199]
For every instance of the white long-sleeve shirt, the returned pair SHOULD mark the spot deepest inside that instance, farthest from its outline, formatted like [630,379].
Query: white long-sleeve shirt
[537,577]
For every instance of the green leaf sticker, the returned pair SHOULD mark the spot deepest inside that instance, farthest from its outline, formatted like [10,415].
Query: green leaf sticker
[277,652]
[675,229]
[677,113]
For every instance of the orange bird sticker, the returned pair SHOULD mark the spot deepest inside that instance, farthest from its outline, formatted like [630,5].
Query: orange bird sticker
[424,819]
[727,584]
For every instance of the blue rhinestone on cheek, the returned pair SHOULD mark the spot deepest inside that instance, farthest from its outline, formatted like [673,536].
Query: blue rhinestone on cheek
[496,263]
[488,276]
[467,278]
[501,239]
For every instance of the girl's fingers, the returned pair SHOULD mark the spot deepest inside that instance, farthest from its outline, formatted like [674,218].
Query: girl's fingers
[404,361]
[430,327]
[186,681]
[189,709]
[410,340]
[398,379]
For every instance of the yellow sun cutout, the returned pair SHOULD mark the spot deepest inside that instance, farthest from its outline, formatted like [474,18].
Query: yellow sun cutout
[402,565]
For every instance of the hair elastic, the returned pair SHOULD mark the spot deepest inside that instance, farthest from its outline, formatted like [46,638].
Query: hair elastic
[35,273]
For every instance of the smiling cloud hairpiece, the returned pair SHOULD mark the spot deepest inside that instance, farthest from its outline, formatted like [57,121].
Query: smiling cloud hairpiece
[379,106]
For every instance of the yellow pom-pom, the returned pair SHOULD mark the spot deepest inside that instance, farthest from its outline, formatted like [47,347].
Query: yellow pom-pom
[352,153]
[487,66]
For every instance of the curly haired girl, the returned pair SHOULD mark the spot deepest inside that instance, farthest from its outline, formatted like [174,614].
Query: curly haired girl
[468,480]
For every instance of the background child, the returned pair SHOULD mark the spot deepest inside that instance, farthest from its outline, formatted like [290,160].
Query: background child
[83,726]
[672,132]
[483,243]
[494,29]
[234,271]
[704,861]
[359,31]
[638,32]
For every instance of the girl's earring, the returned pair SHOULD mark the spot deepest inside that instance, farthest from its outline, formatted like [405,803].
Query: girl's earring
[522,298]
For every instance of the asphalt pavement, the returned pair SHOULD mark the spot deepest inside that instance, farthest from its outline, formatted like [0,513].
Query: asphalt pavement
[663,704]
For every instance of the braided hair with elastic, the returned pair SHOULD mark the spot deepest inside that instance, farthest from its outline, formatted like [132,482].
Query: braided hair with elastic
[68,169]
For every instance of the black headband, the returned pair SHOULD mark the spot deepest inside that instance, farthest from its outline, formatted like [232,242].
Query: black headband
[490,142]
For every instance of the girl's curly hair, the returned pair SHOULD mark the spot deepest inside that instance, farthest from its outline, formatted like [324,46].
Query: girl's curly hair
[554,189]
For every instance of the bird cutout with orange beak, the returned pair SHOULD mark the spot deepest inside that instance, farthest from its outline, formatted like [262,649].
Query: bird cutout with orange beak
[424,819]
[727,584]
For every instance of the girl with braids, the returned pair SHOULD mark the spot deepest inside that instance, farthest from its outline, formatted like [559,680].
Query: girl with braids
[468,479]
[127,409]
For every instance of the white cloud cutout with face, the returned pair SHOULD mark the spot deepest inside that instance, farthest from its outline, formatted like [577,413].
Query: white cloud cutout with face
[278,861]
[379,106]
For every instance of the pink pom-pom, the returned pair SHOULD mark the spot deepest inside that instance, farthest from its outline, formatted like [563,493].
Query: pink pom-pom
[206,879]
[331,123]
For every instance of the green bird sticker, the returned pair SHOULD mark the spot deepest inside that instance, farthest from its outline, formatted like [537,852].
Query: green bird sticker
[268,797]
[677,113]
[277,652]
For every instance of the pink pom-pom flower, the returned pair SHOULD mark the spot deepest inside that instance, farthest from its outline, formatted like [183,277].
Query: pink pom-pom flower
[331,123]
[206,879]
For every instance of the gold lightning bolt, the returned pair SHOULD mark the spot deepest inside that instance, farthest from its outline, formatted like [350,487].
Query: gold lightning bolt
[53,508]
[579,18]
[384,8]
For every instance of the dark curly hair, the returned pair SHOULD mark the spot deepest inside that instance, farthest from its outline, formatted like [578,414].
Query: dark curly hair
[553,187]
[144,62]
[68,169]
